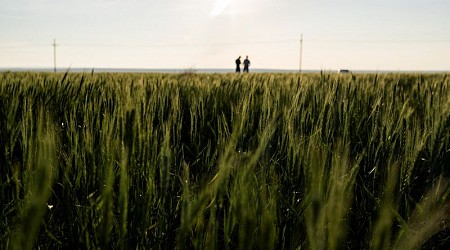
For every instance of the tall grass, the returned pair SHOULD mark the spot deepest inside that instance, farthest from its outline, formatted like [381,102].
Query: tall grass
[207,161]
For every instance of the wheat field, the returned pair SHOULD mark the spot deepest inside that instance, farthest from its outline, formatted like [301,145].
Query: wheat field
[224,161]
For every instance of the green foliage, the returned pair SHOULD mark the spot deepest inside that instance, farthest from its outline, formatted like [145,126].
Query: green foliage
[224,161]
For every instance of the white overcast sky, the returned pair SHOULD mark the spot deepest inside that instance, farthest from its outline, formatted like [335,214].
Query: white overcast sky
[353,34]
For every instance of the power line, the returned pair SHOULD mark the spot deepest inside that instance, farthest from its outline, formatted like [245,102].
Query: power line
[149,45]
[54,55]
[378,41]
[172,45]
[301,53]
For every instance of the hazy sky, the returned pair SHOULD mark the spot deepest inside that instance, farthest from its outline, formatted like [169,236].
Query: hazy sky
[351,34]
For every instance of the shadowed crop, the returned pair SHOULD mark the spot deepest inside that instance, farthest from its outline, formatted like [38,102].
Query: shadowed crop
[224,161]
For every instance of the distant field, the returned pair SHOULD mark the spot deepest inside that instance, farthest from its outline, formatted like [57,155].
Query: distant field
[205,70]
[224,161]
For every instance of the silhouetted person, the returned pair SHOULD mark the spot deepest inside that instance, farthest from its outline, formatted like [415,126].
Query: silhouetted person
[238,65]
[246,64]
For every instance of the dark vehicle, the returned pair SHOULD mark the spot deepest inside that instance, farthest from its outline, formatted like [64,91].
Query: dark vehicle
[344,71]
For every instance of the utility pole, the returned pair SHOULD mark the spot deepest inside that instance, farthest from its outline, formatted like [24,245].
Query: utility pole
[54,55]
[301,53]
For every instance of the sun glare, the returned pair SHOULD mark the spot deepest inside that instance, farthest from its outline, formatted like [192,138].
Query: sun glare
[219,7]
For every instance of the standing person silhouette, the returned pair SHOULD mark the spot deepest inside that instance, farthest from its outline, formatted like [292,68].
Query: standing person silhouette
[246,64]
[238,65]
